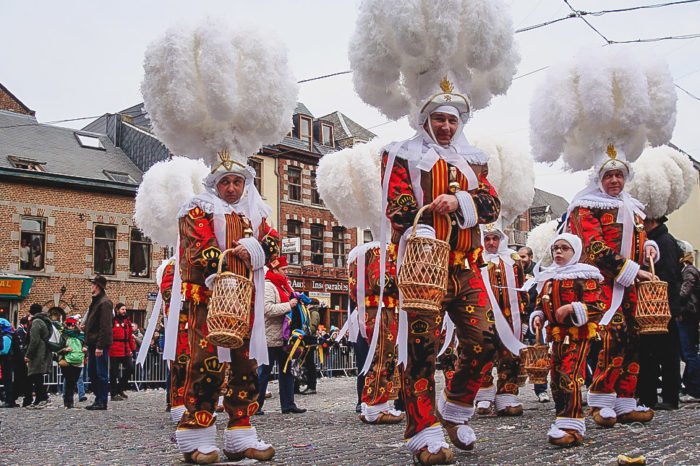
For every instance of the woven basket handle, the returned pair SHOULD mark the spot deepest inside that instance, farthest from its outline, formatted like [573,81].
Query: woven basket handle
[538,334]
[418,216]
[221,261]
[653,272]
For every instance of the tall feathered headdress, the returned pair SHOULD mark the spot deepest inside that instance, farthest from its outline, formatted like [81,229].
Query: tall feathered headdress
[540,238]
[218,93]
[512,174]
[165,187]
[663,180]
[401,50]
[602,107]
[349,182]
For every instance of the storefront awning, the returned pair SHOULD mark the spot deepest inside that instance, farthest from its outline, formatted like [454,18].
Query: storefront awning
[15,287]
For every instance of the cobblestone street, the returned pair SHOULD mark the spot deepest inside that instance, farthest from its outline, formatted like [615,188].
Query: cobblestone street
[138,431]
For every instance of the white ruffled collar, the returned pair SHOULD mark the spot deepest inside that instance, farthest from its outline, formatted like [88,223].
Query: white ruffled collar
[420,145]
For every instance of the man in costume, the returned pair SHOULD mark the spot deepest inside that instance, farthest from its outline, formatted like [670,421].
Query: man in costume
[609,222]
[505,276]
[380,385]
[215,220]
[440,169]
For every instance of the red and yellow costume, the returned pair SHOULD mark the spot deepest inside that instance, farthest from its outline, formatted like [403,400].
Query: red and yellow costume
[570,342]
[466,300]
[507,363]
[204,373]
[182,355]
[615,377]
[380,382]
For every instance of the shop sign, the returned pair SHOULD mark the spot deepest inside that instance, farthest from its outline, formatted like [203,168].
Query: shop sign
[10,286]
[291,245]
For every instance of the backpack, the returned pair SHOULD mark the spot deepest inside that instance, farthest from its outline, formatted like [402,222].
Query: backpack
[6,345]
[76,356]
[56,340]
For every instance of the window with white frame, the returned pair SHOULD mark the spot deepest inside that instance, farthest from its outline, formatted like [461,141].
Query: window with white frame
[257,165]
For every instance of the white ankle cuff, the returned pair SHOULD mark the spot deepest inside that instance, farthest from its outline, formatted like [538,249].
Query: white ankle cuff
[176,413]
[486,394]
[189,440]
[601,400]
[625,405]
[506,401]
[372,412]
[431,437]
[579,425]
[555,432]
[453,412]
[242,438]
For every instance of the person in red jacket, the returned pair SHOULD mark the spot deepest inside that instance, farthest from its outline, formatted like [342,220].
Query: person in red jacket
[121,363]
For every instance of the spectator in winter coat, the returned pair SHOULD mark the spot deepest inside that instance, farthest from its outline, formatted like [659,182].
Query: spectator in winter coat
[662,351]
[278,302]
[9,350]
[688,320]
[121,363]
[22,385]
[38,354]
[98,336]
[72,360]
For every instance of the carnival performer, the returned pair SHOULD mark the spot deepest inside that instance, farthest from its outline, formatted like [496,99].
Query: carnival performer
[505,276]
[230,214]
[445,187]
[379,387]
[569,300]
[607,126]
[349,183]
[401,76]
[599,217]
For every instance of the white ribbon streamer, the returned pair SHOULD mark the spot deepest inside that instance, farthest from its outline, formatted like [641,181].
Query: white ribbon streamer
[150,330]
[449,327]
[505,332]
[175,307]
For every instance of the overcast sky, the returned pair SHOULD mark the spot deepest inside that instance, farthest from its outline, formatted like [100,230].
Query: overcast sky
[71,59]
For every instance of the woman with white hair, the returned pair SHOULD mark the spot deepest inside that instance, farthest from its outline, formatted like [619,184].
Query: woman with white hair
[569,300]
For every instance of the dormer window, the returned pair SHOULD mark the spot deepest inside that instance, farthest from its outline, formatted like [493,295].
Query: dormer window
[327,134]
[89,141]
[119,177]
[26,164]
[306,130]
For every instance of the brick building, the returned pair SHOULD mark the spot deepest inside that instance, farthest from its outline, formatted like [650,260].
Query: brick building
[318,259]
[66,205]
[545,207]
[315,243]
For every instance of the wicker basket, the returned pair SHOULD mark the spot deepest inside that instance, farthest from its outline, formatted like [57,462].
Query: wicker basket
[228,319]
[423,275]
[536,361]
[653,310]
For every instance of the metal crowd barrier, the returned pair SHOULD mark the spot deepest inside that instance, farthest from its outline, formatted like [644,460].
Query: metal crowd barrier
[336,361]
